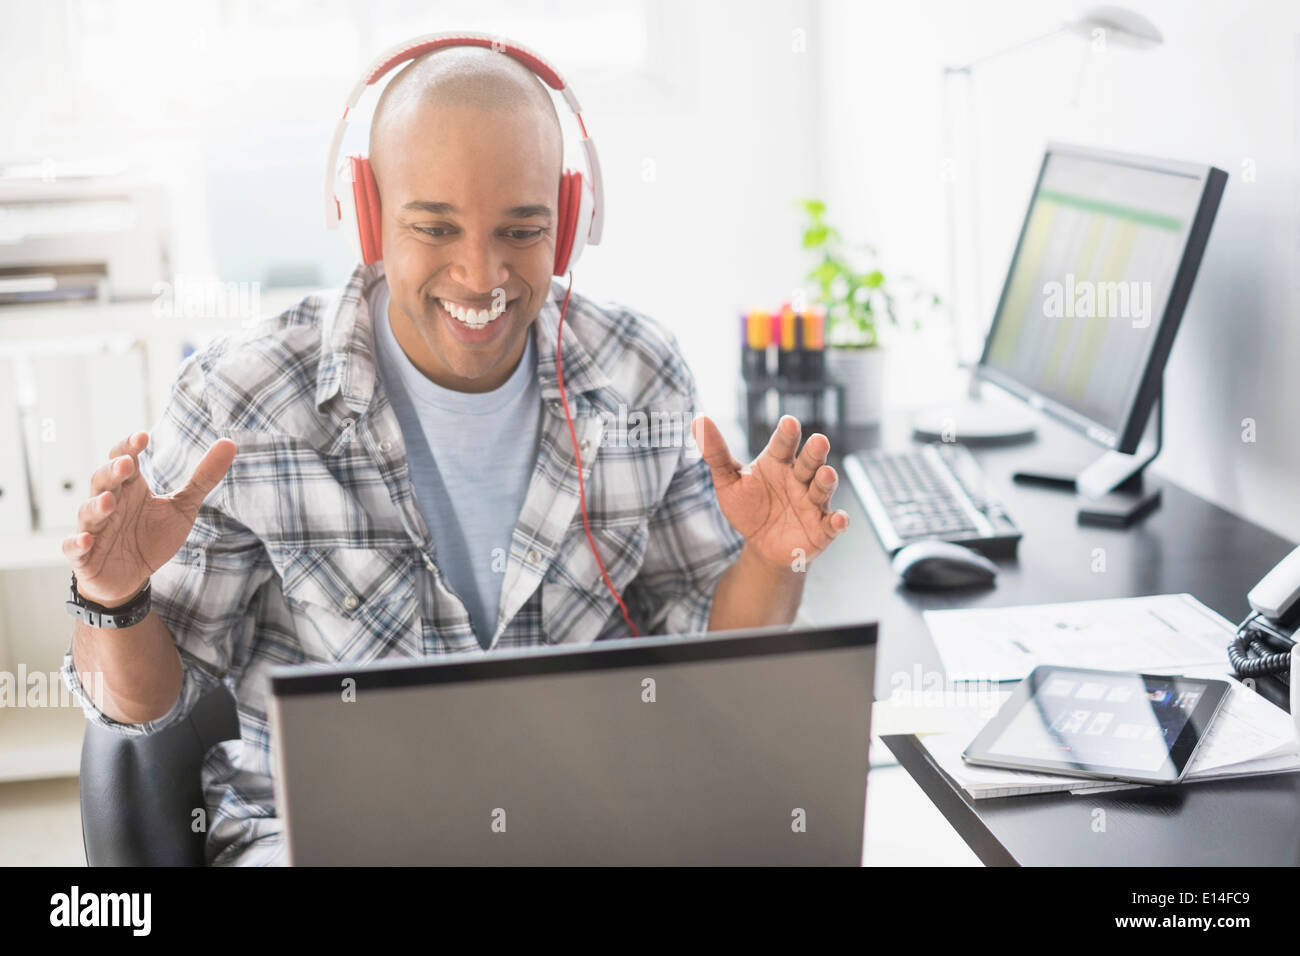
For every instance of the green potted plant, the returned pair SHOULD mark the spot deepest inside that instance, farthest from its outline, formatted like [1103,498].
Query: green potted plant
[857,299]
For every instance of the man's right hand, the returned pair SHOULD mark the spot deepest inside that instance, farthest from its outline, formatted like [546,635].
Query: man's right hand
[125,532]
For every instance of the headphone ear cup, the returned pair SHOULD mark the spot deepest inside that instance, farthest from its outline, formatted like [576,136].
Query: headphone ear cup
[586,207]
[374,208]
[570,194]
[562,226]
[365,197]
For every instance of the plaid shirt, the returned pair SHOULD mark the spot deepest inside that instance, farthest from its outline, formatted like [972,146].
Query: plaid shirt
[313,547]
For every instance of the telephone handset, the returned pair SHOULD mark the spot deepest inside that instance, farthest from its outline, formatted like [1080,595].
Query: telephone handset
[1264,642]
[1276,594]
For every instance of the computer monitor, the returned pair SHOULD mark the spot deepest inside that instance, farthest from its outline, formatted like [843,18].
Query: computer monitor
[1100,277]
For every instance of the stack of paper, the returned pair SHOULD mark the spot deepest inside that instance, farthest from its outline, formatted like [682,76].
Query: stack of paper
[1161,633]
[1170,633]
[1249,736]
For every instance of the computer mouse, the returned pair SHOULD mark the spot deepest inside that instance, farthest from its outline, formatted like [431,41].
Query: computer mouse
[942,564]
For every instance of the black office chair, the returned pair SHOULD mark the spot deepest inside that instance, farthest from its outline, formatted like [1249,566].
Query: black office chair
[138,794]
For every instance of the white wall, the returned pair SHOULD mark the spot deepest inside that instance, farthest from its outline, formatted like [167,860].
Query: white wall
[700,113]
[1222,89]
[701,179]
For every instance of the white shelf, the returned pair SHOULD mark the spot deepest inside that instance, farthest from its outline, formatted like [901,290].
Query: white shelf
[64,325]
[40,549]
[40,743]
[45,742]
[54,320]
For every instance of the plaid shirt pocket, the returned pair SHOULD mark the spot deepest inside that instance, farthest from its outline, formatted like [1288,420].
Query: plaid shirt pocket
[354,604]
[574,589]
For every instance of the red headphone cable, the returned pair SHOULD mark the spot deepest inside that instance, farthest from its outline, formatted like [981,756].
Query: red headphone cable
[573,437]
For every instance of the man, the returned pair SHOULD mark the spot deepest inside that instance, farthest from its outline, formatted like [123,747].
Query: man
[389,472]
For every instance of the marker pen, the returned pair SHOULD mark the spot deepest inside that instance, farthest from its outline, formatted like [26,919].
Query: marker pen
[757,335]
[788,364]
[814,344]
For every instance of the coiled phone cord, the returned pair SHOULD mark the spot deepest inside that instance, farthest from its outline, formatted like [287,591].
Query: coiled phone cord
[1251,656]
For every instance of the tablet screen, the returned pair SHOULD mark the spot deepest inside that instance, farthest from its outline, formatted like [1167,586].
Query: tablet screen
[1101,723]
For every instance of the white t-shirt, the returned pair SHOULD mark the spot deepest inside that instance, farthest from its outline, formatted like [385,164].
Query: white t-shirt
[471,456]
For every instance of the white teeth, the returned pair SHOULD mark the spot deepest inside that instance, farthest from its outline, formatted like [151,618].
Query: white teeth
[474,318]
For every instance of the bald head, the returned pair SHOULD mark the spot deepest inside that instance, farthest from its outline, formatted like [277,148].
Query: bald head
[465,81]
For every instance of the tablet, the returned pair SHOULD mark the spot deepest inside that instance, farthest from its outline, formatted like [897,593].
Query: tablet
[1116,725]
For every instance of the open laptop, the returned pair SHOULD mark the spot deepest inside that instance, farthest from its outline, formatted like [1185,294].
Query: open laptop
[739,748]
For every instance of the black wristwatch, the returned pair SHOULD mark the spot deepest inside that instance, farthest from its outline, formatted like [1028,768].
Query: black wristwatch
[96,615]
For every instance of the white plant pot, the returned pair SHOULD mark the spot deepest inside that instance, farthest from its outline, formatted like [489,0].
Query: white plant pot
[862,373]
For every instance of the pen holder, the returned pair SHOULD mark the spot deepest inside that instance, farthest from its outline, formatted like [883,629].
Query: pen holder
[783,372]
[818,405]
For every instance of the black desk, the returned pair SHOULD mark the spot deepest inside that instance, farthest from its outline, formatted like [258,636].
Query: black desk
[1187,545]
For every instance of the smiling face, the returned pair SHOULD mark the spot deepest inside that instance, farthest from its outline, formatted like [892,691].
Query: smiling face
[469,188]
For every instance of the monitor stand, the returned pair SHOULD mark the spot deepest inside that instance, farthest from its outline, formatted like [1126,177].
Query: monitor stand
[1111,490]
[976,420]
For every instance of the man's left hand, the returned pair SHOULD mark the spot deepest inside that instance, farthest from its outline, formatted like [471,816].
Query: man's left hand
[780,502]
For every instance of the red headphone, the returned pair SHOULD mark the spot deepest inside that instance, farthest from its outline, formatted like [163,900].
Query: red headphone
[352,184]
[581,203]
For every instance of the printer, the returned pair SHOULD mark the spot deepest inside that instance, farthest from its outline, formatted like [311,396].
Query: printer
[80,231]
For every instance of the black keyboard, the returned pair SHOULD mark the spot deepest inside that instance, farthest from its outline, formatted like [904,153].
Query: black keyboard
[935,491]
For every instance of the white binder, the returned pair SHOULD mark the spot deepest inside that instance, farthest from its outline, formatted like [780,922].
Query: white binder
[116,384]
[86,401]
[59,433]
[15,499]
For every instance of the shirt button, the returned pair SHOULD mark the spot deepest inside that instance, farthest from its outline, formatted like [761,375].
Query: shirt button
[385,446]
[428,564]
[350,602]
[534,556]
[584,445]
[556,406]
